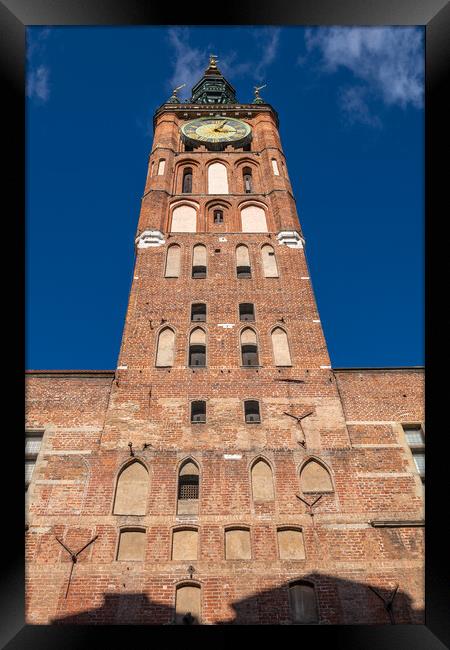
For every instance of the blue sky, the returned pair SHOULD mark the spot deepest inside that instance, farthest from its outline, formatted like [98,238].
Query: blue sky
[350,103]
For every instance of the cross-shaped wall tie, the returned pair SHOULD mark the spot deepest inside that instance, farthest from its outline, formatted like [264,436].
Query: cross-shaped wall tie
[310,506]
[74,557]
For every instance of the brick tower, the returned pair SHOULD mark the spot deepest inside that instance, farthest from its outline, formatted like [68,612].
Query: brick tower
[224,471]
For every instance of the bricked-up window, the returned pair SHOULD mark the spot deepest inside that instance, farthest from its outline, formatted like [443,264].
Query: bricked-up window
[187,181]
[161,167]
[166,348]
[246,311]
[416,441]
[253,219]
[33,442]
[243,262]
[197,348]
[199,261]
[132,545]
[262,481]
[198,411]
[185,544]
[269,261]
[249,348]
[290,544]
[281,354]
[248,183]
[251,411]
[188,605]
[217,179]
[314,477]
[275,167]
[132,490]
[237,544]
[218,216]
[198,311]
[302,602]
[173,261]
[188,488]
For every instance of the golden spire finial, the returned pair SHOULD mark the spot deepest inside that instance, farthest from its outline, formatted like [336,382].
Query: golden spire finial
[213,61]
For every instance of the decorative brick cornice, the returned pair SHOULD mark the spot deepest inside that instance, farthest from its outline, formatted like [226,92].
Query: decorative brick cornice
[150,238]
[290,238]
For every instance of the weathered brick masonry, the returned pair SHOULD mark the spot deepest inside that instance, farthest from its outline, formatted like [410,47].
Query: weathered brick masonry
[365,530]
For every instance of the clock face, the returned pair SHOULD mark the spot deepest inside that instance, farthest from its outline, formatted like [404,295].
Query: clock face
[215,130]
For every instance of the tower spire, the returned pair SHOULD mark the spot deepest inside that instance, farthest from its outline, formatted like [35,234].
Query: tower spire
[213,88]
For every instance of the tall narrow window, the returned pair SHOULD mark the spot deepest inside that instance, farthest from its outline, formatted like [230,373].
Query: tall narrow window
[131,545]
[188,489]
[315,478]
[173,261]
[280,346]
[188,605]
[253,219]
[33,441]
[275,167]
[217,179]
[199,261]
[218,216]
[161,167]
[198,311]
[302,602]
[248,185]
[243,269]
[251,410]
[187,181]
[198,411]
[269,262]
[249,348]
[246,311]
[262,482]
[131,490]
[197,348]
[166,348]
[416,441]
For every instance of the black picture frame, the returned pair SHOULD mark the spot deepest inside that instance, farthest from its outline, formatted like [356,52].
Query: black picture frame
[15,16]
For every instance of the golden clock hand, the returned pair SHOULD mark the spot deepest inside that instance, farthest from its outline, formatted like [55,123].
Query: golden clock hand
[221,126]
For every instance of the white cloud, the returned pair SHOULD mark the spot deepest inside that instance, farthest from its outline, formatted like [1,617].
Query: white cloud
[38,73]
[388,60]
[353,102]
[189,62]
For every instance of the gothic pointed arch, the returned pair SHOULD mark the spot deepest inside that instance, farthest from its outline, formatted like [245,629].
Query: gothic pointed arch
[315,476]
[165,348]
[188,487]
[131,489]
[197,347]
[262,480]
[280,347]
[249,347]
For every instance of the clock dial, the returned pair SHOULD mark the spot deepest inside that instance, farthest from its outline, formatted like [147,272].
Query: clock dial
[215,130]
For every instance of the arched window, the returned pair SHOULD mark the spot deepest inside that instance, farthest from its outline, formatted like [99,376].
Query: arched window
[248,183]
[315,478]
[198,311]
[131,490]
[262,481]
[246,311]
[237,544]
[218,216]
[275,167]
[131,545]
[197,348]
[161,167]
[184,544]
[253,219]
[188,489]
[269,261]
[217,179]
[251,411]
[188,605]
[281,354]
[166,348]
[184,219]
[187,181]
[290,544]
[173,261]
[199,261]
[302,602]
[243,269]
[249,348]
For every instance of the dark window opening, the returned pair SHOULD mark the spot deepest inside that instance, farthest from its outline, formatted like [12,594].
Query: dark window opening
[250,355]
[197,355]
[218,216]
[188,487]
[244,272]
[246,311]
[188,147]
[248,180]
[247,147]
[187,181]
[198,311]
[199,271]
[251,408]
[198,411]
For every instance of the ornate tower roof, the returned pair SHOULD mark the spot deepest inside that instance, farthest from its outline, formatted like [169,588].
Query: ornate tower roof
[213,88]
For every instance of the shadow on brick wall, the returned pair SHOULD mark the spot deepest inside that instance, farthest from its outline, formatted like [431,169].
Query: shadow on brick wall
[339,602]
